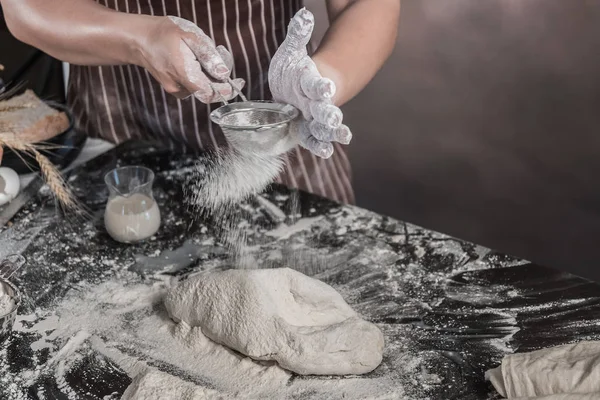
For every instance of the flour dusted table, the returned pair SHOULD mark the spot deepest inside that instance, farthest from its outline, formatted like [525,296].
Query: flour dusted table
[449,309]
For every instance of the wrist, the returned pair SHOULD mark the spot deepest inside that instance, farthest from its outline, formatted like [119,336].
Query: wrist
[135,29]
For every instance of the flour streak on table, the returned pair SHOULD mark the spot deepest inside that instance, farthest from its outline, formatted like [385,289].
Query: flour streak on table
[449,309]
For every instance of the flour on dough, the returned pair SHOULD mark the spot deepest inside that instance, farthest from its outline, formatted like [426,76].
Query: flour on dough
[281,315]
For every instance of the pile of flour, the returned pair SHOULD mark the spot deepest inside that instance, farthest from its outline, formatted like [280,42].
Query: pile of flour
[127,315]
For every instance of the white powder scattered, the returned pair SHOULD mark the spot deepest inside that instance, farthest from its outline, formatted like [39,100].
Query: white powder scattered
[16,238]
[129,316]
[61,382]
[430,378]
[153,384]
[274,212]
[285,231]
[123,319]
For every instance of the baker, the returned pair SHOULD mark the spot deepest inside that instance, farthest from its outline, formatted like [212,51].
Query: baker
[136,63]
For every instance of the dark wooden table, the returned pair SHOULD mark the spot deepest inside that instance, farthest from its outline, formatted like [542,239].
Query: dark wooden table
[449,309]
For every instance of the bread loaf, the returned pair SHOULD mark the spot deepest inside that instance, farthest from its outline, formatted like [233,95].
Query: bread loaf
[31,119]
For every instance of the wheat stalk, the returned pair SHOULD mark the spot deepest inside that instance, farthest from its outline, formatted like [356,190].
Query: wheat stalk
[59,187]
[55,181]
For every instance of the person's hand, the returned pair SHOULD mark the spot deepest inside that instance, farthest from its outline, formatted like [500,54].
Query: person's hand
[295,79]
[183,59]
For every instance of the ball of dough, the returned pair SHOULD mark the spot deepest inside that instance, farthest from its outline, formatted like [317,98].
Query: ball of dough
[281,315]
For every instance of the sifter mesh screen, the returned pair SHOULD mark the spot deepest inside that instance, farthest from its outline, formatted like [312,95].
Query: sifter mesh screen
[253,118]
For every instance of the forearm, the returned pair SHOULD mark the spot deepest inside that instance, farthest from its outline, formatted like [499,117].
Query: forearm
[360,39]
[76,31]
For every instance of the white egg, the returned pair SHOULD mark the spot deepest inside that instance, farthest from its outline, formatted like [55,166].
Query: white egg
[9,185]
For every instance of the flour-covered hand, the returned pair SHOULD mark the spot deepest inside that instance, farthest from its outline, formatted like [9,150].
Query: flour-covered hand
[295,79]
[186,61]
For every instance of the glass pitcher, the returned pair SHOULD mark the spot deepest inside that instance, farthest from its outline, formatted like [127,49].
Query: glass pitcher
[131,213]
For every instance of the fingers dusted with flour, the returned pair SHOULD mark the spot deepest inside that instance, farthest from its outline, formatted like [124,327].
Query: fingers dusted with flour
[360,38]
[203,47]
[316,88]
[84,32]
[295,79]
[186,61]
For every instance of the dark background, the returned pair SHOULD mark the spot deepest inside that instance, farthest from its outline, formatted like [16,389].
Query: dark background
[483,125]
[23,63]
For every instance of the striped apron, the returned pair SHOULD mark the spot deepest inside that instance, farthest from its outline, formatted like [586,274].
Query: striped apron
[118,103]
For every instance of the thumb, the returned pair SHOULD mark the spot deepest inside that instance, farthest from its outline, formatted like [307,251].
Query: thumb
[226,56]
[300,30]
[1,153]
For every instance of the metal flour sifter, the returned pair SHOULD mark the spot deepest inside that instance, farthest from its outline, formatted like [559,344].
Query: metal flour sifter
[261,128]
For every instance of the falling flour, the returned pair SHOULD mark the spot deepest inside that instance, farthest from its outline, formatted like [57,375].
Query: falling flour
[230,177]
[220,183]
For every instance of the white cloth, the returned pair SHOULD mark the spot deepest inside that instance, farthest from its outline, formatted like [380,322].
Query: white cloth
[568,372]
